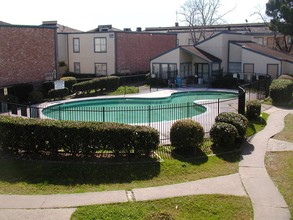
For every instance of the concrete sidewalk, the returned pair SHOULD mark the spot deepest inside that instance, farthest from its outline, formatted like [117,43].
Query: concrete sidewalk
[267,201]
[47,207]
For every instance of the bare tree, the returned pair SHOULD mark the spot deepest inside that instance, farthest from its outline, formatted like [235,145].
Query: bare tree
[199,14]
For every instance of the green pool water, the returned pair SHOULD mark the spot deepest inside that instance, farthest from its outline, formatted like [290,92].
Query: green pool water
[135,110]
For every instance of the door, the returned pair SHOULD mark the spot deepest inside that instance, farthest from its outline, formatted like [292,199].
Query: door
[202,71]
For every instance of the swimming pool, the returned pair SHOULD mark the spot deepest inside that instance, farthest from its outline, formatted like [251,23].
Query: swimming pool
[133,110]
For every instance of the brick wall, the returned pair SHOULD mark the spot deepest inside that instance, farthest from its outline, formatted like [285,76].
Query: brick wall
[134,50]
[26,54]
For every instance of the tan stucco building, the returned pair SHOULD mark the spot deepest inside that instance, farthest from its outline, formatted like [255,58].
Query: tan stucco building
[223,53]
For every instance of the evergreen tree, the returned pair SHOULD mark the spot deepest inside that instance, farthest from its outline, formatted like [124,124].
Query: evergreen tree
[281,13]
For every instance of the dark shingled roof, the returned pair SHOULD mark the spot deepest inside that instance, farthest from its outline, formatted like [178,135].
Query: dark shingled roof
[252,46]
[4,23]
[202,54]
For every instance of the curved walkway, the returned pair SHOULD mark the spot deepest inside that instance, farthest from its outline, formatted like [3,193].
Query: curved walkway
[266,199]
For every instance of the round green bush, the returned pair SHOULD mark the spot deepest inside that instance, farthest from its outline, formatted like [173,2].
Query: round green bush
[286,77]
[186,135]
[36,97]
[238,120]
[281,91]
[69,82]
[224,135]
[253,109]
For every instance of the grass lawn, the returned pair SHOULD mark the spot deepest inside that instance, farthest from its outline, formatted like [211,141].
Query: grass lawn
[257,125]
[193,207]
[280,167]
[287,133]
[280,164]
[36,177]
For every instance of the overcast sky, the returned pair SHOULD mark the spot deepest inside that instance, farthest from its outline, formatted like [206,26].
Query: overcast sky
[88,14]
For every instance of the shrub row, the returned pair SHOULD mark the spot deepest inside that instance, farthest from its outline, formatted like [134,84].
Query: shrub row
[21,91]
[229,130]
[281,90]
[50,137]
[58,93]
[79,75]
[107,84]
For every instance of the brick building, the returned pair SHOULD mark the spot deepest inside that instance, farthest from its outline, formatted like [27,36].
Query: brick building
[27,53]
[134,50]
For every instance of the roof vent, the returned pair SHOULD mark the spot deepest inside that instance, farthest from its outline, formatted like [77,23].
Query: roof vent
[127,29]
[138,29]
[104,27]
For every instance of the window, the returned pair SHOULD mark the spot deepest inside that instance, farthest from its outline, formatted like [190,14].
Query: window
[259,40]
[248,68]
[100,45]
[216,69]
[76,45]
[76,67]
[101,69]
[185,70]
[190,42]
[234,67]
[273,70]
[164,70]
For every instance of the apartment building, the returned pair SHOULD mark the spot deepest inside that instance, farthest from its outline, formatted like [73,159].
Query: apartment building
[226,52]
[106,50]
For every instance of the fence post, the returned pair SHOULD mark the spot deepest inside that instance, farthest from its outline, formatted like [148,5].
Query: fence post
[267,88]
[241,100]
[59,111]
[103,114]
[149,110]
[188,113]
[218,106]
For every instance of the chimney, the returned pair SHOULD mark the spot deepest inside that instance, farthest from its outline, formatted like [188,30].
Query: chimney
[176,24]
[49,23]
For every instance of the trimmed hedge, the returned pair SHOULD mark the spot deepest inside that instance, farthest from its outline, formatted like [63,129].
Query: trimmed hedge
[224,135]
[253,109]
[50,137]
[281,90]
[58,93]
[238,120]
[21,91]
[69,82]
[79,75]
[35,97]
[186,135]
[107,84]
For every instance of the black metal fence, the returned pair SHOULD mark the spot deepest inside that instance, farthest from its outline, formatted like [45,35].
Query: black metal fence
[160,117]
